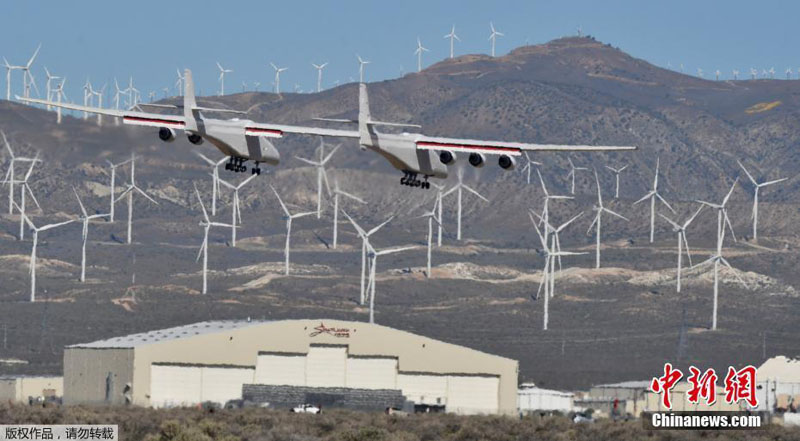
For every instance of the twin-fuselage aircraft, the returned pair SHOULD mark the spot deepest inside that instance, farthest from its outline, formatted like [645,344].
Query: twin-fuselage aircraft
[243,140]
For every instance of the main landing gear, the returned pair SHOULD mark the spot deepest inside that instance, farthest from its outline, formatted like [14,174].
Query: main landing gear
[236,165]
[411,180]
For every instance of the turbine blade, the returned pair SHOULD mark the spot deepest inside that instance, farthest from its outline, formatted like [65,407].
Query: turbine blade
[644,198]
[665,202]
[83,210]
[285,210]
[202,206]
[735,272]
[372,231]
[614,213]
[747,173]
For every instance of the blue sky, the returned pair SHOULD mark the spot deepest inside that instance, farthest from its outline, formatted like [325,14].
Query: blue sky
[150,39]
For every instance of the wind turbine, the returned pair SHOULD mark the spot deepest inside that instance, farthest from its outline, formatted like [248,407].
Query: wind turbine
[550,230]
[178,82]
[88,97]
[600,209]
[9,68]
[493,36]
[336,193]
[361,64]
[206,223]
[458,189]
[772,73]
[236,213]
[278,71]
[681,230]
[528,166]
[616,172]
[364,248]
[289,217]
[722,221]
[9,178]
[418,53]
[717,74]
[653,195]
[452,36]
[99,95]
[753,73]
[60,96]
[27,77]
[214,179]
[26,189]
[757,186]
[373,255]
[85,218]
[788,73]
[572,173]
[222,72]
[439,197]
[319,68]
[735,74]
[132,187]
[547,198]
[322,176]
[431,216]
[48,86]
[36,230]
[113,186]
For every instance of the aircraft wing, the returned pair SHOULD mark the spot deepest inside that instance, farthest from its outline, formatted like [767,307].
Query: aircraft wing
[277,131]
[504,148]
[128,117]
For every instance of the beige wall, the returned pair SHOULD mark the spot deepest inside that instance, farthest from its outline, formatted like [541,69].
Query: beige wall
[18,389]
[86,370]
[241,346]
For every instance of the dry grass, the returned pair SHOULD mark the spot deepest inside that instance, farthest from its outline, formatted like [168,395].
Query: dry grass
[189,424]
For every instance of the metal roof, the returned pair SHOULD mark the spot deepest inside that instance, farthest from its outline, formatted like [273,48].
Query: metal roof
[626,385]
[161,335]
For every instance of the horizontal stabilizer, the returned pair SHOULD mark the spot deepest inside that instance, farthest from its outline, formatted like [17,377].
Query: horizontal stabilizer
[337,120]
[210,109]
[162,106]
[381,123]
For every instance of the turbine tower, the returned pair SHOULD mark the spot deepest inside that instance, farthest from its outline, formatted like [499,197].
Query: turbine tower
[60,96]
[206,223]
[129,191]
[27,77]
[364,248]
[616,172]
[113,186]
[452,36]
[322,175]
[278,71]
[757,185]
[178,83]
[572,173]
[418,53]
[432,217]
[681,230]
[439,197]
[319,68]
[49,87]
[336,193]
[458,188]
[653,195]
[9,68]
[222,72]
[361,64]
[493,36]
[236,213]
[289,218]
[85,218]
[373,255]
[547,198]
[36,230]
[214,179]
[600,209]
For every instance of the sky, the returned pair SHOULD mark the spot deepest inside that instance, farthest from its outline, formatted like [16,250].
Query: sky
[150,39]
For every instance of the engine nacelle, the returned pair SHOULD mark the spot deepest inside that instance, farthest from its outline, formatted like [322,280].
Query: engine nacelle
[507,162]
[166,134]
[447,157]
[194,138]
[477,160]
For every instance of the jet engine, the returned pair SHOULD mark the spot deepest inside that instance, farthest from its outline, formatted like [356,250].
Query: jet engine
[507,162]
[447,157]
[477,159]
[195,138]
[166,134]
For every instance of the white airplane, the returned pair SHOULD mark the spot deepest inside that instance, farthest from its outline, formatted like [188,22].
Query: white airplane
[243,140]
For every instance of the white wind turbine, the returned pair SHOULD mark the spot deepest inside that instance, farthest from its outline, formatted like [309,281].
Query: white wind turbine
[364,248]
[25,188]
[547,198]
[27,77]
[10,178]
[432,217]
[439,197]
[278,71]
[99,95]
[757,186]
[529,166]
[9,68]
[322,175]
[319,68]
[452,36]
[418,53]
[85,218]
[60,96]
[616,172]
[600,209]
[113,186]
[722,221]
[289,217]
[772,73]
[458,189]
[548,273]
[88,97]
[236,213]
[717,74]
[361,64]
[214,179]
[653,195]
[36,230]
[493,36]
[129,191]
[571,175]
[550,230]
[336,193]
[206,223]
[373,255]
[753,73]
[681,230]
[735,74]
[788,73]
[178,82]
[48,86]
[222,72]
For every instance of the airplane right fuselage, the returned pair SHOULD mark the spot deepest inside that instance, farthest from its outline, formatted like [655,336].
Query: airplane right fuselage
[401,151]
[229,136]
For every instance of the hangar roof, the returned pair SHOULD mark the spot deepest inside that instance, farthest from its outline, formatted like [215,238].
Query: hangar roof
[144,338]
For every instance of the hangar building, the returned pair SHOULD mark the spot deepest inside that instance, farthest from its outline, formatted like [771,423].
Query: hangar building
[216,360]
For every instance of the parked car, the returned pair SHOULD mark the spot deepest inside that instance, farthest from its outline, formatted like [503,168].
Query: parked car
[306,408]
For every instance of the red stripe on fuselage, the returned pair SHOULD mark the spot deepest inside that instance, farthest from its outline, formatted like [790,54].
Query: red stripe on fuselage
[466,146]
[154,120]
[258,130]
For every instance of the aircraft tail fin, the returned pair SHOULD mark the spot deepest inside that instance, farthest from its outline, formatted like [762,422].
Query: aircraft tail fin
[189,101]
[363,114]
